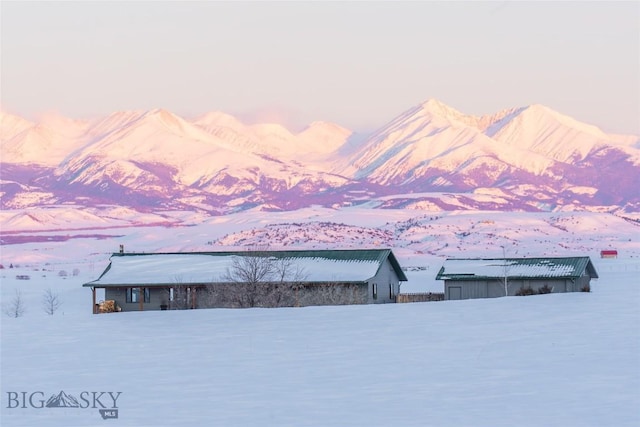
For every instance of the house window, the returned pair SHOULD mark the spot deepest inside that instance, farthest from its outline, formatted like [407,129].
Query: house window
[391,290]
[374,289]
[133,295]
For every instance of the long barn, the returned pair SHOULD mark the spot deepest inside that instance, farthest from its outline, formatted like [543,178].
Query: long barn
[490,278]
[160,281]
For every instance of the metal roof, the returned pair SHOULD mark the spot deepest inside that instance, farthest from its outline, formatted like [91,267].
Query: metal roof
[520,268]
[161,269]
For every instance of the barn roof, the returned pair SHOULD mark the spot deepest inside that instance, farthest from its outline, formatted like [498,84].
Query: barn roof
[162,269]
[520,268]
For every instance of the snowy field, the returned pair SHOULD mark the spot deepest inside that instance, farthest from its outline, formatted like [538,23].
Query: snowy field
[546,360]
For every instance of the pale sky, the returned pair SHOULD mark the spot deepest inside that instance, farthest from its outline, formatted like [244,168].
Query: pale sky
[358,64]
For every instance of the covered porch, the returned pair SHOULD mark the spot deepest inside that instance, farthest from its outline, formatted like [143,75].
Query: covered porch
[144,298]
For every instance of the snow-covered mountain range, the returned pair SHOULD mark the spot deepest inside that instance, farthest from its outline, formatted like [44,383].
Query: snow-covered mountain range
[430,157]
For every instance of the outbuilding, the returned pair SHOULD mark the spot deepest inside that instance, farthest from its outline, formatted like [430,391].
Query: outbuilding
[608,253]
[158,281]
[489,278]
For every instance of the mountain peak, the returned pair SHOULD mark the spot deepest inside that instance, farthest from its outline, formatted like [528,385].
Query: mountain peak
[437,107]
[441,112]
[218,118]
[12,124]
[320,125]
[271,129]
[161,113]
[324,137]
[433,103]
[167,118]
[539,113]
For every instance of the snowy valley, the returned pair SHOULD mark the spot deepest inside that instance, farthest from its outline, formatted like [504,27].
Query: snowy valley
[559,359]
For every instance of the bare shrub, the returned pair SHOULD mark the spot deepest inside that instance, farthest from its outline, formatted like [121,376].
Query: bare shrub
[546,289]
[334,293]
[16,307]
[524,291]
[50,302]
[585,288]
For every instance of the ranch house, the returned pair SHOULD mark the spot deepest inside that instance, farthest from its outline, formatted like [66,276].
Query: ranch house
[162,281]
[485,278]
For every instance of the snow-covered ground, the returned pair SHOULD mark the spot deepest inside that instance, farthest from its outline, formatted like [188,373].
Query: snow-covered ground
[560,359]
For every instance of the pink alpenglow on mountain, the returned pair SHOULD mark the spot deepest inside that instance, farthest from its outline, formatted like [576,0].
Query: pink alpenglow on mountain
[529,158]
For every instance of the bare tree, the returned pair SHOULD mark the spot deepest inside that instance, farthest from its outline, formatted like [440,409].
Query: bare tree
[259,279]
[250,270]
[16,307]
[50,302]
[286,270]
[254,267]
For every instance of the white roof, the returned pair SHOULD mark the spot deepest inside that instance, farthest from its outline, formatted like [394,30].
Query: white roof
[163,269]
[526,268]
